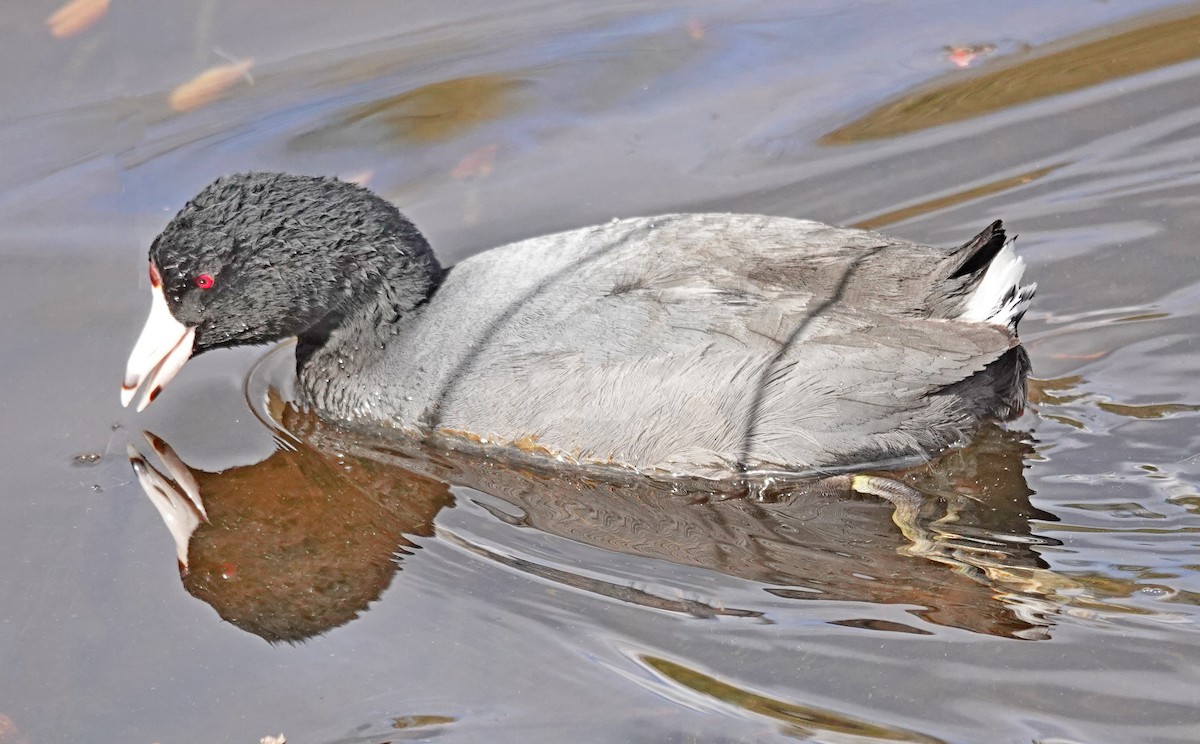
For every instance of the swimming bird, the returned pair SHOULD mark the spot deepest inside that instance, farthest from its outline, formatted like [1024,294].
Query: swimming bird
[706,345]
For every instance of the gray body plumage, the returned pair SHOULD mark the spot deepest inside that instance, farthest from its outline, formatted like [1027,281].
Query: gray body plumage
[700,344]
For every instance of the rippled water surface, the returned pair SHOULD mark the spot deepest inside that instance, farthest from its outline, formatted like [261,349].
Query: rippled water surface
[1046,591]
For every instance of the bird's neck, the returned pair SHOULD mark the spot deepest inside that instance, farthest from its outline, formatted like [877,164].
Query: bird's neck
[333,356]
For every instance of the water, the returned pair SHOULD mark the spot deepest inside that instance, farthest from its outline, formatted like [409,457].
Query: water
[1046,591]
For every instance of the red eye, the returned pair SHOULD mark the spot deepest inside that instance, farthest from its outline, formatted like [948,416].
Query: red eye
[205,281]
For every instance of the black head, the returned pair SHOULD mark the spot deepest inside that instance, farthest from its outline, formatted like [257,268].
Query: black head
[258,257]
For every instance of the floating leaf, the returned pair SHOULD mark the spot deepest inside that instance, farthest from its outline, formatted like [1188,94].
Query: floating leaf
[76,16]
[209,85]
[963,56]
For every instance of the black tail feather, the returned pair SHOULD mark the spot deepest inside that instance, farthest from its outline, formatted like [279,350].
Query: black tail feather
[980,250]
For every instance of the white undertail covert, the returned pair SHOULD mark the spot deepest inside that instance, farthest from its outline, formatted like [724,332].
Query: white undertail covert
[1000,298]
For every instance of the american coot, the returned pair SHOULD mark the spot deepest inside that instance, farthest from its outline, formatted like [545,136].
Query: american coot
[689,344]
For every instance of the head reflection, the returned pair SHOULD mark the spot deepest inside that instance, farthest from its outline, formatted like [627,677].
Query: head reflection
[294,545]
[305,540]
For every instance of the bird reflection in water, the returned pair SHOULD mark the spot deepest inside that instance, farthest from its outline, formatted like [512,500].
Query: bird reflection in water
[305,540]
[294,545]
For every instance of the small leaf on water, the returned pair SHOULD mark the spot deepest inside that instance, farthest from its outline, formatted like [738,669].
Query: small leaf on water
[75,16]
[209,85]
[963,56]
